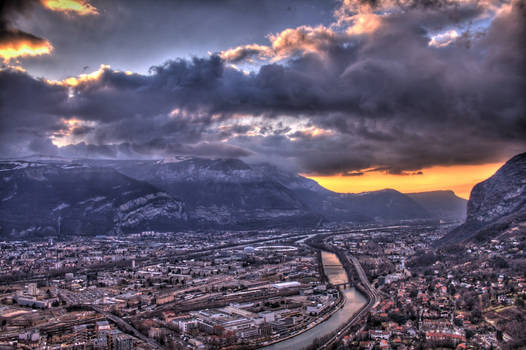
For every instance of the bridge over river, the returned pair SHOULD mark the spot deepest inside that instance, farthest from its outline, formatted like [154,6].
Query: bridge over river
[344,285]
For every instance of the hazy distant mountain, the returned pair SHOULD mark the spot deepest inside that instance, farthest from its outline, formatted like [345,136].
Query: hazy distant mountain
[39,198]
[495,205]
[441,204]
[384,205]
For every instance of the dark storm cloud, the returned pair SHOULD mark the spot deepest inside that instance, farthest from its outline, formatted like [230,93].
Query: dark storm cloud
[9,34]
[385,99]
[11,8]
[8,11]
[30,111]
[153,148]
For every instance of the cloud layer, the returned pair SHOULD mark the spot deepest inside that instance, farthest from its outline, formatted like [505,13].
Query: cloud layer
[15,43]
[396,86]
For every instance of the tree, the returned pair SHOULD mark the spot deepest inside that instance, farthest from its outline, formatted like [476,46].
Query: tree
[520,302]
[476,315]
[398,317]
[451,289]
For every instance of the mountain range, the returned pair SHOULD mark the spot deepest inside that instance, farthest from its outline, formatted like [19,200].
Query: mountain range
[47,196]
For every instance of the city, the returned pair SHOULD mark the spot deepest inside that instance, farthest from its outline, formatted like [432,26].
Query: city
[254,289]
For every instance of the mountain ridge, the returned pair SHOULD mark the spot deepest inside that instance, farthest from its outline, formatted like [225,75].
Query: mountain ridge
[444,204]
[201,193]
[47,198]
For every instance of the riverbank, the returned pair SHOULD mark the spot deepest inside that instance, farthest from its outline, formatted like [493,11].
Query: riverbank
[339,304]
[363,286]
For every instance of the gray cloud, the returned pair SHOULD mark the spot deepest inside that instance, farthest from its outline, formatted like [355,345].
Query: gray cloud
[136,34]
[30,111]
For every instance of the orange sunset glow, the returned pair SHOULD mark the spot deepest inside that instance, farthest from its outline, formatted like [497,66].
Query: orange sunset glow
[82,78]
[20,48]
[459,178]
[78,6]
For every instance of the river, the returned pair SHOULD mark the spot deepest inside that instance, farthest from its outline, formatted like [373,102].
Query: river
[354,301]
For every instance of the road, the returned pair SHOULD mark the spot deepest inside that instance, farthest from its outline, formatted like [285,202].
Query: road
[364,279]
[125,326]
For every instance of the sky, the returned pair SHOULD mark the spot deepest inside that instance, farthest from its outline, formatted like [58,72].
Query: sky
[357,94]
[459,179]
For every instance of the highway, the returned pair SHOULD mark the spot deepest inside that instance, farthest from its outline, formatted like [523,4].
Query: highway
[364,279]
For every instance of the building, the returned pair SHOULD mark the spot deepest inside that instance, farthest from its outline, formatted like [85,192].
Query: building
[265,329]
[102,326]
[80,334]
[164,298]
[122,341]
[286,285]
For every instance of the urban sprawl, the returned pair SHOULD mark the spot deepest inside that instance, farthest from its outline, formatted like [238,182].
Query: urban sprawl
[246,290]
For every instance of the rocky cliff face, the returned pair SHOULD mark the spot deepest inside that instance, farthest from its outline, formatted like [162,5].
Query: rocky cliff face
[223,192]
[495,204]
[502,194]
